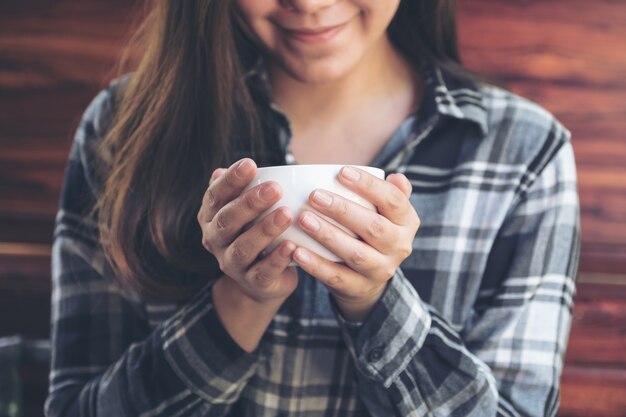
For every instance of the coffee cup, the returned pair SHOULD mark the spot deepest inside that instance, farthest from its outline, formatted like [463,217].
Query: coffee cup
[297,183]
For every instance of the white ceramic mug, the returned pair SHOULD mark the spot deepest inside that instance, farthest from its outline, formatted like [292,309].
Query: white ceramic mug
[297,183]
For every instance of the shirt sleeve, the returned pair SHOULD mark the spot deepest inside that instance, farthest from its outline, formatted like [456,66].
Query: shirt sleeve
[106,359]
[507,360]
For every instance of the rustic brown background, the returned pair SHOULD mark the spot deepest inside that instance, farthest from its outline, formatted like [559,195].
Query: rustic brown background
[568,55]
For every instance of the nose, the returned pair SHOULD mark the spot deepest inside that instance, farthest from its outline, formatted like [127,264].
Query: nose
[307,6]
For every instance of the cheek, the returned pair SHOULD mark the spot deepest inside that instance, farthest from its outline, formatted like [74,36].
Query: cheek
[379,14]
[253,7]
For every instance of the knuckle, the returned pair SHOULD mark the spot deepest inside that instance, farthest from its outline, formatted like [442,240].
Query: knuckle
[221,221]
[206,240]
[261,278]
[231,180]
[395,200]
[375,228]
[272,261]
[418,221]
[358,258]
[206,243]
[276,262]
[334,281]
[387,271]
[405,251]
[240,254]
[341,207]
[224,266]
[268,229]
[210,198]
[251,202]
[326,238]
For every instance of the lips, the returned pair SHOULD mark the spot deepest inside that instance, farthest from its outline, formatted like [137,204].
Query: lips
[314,35]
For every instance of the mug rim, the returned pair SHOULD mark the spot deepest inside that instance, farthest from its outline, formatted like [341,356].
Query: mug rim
[323,166]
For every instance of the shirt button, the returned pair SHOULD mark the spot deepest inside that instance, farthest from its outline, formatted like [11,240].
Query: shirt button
[375,354]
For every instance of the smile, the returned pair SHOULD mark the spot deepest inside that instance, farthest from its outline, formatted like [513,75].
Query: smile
[314,35]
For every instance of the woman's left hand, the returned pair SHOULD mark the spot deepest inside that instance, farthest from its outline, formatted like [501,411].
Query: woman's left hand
[387,238]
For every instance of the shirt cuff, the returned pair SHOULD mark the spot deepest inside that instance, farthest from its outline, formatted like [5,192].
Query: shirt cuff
[204,355]
[394,331]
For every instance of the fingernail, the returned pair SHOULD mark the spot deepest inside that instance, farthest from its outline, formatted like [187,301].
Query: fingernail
[322,198]
[302,256]
[310,222]
[350,174]
[268,192]
[281,219]
[243,168]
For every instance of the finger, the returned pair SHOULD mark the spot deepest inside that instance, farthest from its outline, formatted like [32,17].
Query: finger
[227,187]
[370,226]
[203,212]
[390,201]
[262,273]
[216,174]
[358,255]
[234,216]
[337,277]
[402,182]
[247,247]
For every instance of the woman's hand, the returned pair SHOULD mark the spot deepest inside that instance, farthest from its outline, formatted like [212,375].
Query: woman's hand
[226,210]
[387,238]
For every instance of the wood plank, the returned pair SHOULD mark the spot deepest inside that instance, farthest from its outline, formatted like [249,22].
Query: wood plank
[587,391]
[54,57]
[26,229]
[598,332]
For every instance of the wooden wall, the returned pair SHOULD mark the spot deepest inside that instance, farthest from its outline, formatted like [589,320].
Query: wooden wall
[568,55]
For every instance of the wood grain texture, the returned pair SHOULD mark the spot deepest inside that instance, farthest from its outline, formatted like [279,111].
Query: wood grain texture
[597,392]
[598,333]
[54,57]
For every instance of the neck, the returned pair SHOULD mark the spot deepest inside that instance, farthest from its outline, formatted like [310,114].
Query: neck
[380,75]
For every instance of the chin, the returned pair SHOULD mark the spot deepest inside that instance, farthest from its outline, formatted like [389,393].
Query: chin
[319,72]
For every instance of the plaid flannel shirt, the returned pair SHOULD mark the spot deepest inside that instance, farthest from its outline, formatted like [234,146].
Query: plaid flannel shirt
[474,323]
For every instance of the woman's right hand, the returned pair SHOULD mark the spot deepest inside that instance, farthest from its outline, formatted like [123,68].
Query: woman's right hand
[226,210]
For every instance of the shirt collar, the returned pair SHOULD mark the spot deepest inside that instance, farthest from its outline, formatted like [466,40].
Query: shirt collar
[456,97]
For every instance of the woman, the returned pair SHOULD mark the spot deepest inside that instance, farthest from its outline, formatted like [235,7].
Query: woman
[162,304]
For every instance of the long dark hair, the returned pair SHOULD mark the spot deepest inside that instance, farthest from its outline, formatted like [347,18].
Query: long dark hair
[174,123]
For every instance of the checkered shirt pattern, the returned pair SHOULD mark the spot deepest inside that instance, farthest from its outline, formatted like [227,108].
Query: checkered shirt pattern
[474,323]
